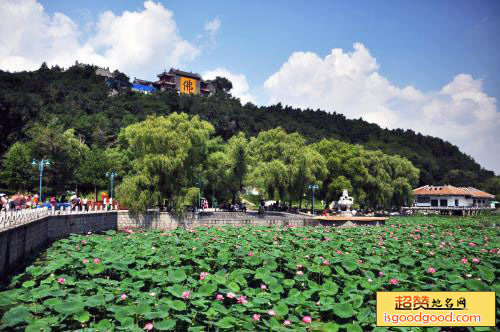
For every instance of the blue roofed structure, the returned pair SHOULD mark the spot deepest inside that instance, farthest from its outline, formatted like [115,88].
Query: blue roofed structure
[143,88]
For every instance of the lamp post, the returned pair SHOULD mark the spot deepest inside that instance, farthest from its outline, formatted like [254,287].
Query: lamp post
[41,164]
[313,187]
[111,175]
[200,184]
[213,195]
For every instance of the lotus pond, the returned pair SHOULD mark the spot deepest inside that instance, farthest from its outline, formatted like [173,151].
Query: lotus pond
[246,278]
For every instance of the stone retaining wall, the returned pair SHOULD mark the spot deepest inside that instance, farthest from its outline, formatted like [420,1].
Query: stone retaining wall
[18,244]
[165,220]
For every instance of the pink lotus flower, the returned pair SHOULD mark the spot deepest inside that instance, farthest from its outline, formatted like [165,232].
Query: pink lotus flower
[97,260]
[185,295]
[203,275]
[464,260]
[287,323]
[431,270]
[219,297]
[230,295]
[148,326]
[359,261]
[307,319]
[123,296]
[339,252]
[256,317]
[242,300]
[472,244]
[326,262]
[263,287]
[61,280]
[394,281]
[318,303]
[299,273]
[380,273]
[250,253]
[85,261]
[475,260]
[84,242]
[271,313]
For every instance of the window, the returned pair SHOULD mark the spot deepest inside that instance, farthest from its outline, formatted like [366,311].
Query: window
[434,202]
[443,202]
[456,202]
[423,199]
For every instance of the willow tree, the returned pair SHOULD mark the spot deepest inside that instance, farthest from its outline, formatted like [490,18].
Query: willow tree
[377,180]
[167,156]
[284,165]
[226,169]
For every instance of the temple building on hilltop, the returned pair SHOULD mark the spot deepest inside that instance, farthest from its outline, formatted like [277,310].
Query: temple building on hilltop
[450,196]
[99,71]
[184,82]
[143,86]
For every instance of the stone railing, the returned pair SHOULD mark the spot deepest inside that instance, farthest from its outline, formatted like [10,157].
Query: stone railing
[10,219]
[446,208]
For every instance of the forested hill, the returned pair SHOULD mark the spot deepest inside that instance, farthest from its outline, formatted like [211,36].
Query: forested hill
[77,98]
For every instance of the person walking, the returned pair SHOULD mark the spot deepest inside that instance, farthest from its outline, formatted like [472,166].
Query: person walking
[3,202]
[12,205]
[78,203]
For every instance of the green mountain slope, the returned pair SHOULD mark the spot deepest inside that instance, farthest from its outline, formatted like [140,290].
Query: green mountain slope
[77,98]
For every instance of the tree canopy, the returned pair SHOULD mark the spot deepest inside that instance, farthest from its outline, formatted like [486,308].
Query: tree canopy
[173,156]
[168,153]
[38,108]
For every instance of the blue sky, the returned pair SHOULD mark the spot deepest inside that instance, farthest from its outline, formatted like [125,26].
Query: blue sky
[422,43]
[431,66]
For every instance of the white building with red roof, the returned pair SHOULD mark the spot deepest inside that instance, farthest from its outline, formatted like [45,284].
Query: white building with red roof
[450,196]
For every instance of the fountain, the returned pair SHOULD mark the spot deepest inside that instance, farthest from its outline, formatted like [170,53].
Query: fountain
[345,216]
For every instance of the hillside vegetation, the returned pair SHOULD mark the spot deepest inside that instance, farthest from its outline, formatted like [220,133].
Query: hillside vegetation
[78,99]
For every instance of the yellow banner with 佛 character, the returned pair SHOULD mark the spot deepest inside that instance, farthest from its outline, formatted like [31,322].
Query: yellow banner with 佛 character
[188,85]
[404,309]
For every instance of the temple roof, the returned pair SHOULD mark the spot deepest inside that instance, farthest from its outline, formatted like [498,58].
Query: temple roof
[449,190]
[173,71]
[142,82]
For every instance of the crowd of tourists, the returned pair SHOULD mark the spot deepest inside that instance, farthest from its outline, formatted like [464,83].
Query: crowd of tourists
[229,207]
[18,202]
[28,201]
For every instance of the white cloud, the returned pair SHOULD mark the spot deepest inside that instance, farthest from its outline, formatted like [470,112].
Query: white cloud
[213,25]
[349,83]
[240,85]
[140,42]
[207,39]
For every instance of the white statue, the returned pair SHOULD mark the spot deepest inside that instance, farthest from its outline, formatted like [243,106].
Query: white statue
[345,203]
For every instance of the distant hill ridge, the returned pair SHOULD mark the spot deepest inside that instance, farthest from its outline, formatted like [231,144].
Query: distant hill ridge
[78,98]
